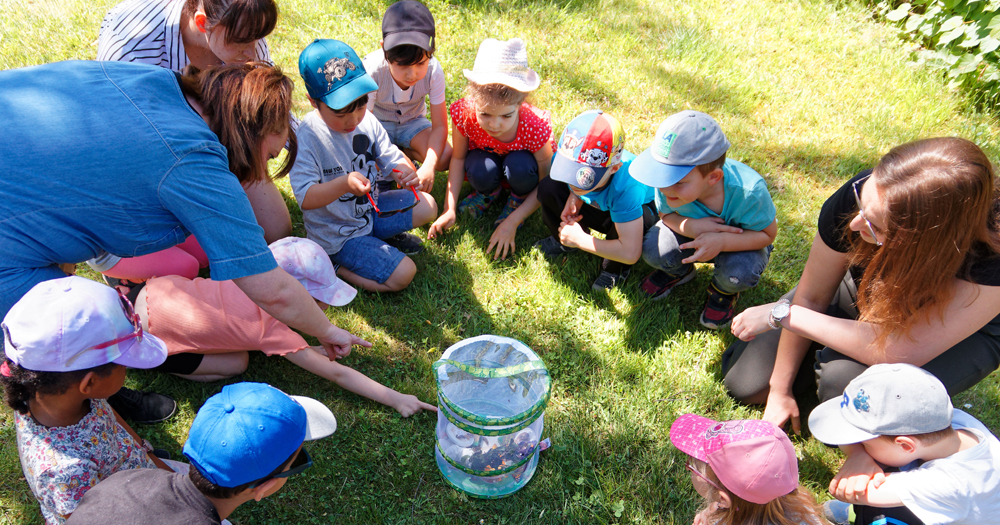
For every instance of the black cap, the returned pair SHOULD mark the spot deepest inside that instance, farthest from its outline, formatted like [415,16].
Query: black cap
[408,22]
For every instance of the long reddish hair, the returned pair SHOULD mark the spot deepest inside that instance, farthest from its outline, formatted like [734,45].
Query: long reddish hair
[940,203]
[243,104]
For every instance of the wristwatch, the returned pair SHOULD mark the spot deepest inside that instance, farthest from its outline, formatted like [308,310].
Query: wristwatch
[778,314]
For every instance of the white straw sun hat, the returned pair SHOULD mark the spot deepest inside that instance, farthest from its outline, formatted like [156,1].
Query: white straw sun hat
[503,63]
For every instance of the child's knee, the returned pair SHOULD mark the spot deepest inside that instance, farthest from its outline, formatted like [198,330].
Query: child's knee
[661,250]
[482,168]
[521,171]
[402,276]
[426,211]
[739,271]
[444,161]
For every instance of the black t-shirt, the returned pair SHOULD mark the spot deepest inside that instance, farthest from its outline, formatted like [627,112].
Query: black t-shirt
[145,495]
[983,266]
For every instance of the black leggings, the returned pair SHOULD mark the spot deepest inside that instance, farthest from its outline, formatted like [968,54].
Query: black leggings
[747,366]
[552,194]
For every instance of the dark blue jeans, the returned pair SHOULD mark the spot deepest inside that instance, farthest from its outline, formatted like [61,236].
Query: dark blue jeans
[734,271]
[486,171]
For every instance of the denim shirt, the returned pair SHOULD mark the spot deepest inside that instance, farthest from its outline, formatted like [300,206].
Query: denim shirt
[109,157]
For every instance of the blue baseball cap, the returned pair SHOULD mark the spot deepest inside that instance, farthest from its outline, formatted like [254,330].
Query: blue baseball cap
[683,141]
[333,73]
[591,145]
[248,430]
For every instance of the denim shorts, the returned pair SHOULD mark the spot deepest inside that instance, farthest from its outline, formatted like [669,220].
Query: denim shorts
[368,255]
[401,134]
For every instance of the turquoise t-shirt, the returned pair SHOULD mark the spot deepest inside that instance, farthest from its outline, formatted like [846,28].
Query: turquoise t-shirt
[623,196]
[747,203]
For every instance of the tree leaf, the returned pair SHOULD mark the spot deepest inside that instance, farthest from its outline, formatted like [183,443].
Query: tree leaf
[898,14]
[967,64]
[988,45]
[913,22]
[951,23]
[951,35]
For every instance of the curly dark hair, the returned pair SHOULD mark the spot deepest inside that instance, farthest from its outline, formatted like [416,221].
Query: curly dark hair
[22,384]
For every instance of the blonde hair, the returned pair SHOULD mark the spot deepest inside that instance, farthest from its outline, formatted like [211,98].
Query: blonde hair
[243,104]
[791,509]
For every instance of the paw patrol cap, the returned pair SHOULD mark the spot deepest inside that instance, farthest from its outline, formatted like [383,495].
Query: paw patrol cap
[683,141]
[887,399]
[334,74]
[752,458]
[591,145]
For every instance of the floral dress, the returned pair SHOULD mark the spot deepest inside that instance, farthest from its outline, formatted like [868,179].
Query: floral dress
[60,464]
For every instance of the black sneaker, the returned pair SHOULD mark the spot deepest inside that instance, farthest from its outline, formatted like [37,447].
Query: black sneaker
[608,280]
[407,243]
[719,309]
[142,407]
[552,248]
[659,284]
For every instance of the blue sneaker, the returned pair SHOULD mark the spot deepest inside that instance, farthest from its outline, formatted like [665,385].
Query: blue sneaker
[513,203]
[475,203]
[838,512]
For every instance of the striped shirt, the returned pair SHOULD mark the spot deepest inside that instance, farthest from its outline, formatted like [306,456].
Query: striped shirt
[149,31]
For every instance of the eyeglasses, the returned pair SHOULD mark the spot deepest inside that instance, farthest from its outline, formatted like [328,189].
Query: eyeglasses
[390,213]
[301,462]
[702,476]
[132,317]
[861,212]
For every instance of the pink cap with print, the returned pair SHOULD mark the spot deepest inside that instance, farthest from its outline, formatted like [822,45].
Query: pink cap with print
[310,265]
[752,458]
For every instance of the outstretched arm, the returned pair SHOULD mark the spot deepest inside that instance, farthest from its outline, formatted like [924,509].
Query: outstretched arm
[348,378]
[282,296]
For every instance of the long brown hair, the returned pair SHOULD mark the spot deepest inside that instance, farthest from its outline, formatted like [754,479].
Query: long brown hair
[939,199]
[243,104]
[798,506]
[245,20]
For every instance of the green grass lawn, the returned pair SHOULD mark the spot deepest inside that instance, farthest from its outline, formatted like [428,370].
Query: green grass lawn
[808,92]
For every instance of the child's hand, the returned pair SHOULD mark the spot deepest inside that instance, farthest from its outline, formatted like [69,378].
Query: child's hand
[694,228]
[571,211]
[338,343]
[851,483]
[503,239]
[706,246]
[425,178]
[404,175]
[408,405]
[571,234]
[445,221]
[781,408]
[357,184]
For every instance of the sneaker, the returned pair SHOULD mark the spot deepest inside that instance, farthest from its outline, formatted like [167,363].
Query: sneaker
[608,280]
[475,203]
[837,512]
[142,407]
[658,284]
[160,453]
[552,248]
[407,243]
[124,285]
[513,202]
[718,309]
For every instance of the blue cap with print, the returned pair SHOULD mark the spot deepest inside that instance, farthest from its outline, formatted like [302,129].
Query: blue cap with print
[248,430]
[683,141]
[334,74]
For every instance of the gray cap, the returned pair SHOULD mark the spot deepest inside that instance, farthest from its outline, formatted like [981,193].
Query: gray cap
[683,141]
[885,400]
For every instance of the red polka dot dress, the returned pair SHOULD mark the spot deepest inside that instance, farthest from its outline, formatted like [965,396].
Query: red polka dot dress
[534,129]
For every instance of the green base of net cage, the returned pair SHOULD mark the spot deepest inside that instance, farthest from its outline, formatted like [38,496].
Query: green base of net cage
[492,393]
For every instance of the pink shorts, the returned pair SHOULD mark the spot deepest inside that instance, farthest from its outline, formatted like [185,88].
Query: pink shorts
[212,317]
